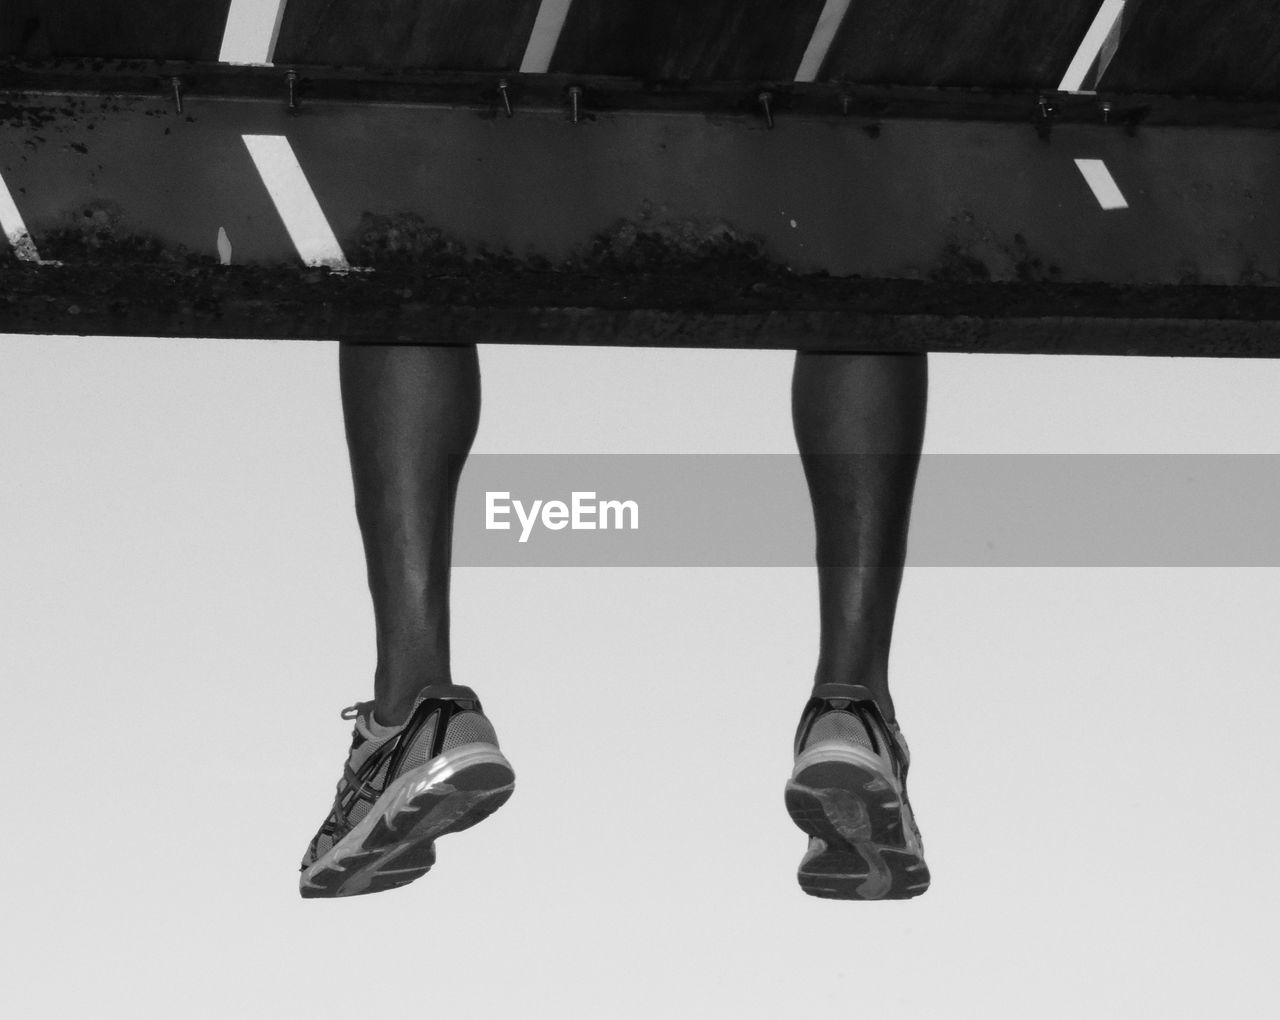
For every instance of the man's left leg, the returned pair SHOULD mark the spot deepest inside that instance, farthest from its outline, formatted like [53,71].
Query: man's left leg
[859,423]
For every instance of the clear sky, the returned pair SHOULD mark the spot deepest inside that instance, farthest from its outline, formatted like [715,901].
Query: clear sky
[1094,748]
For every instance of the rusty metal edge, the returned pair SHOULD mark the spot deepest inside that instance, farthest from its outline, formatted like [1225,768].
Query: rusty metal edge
[479,90]
[813,314]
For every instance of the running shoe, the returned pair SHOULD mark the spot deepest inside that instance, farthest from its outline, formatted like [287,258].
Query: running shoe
[439,772]
[848,791]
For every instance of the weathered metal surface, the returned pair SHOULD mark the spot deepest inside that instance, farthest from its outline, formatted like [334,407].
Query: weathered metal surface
[159,29]
[708,306]
[677,40]
[988,43]
[979,42]
[469,35]
[1200,47]
[643,229]
[873,213]
[917,199]
[478,91]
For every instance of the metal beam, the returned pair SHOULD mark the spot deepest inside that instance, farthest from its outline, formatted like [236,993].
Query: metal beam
[1200,47]
[173,29]
[573,308]
[1010,44]
[478,91]
[633,227]
[471,35]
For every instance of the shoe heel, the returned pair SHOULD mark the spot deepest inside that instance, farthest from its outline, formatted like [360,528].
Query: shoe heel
[466,785]
[840,793]
[459,788]
[854,819]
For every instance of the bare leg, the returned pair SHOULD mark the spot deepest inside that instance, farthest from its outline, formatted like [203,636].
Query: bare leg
[859,424]
[411,415]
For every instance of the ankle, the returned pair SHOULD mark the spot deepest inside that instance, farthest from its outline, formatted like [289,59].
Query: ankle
[390,717]
[393,703]
[877,687]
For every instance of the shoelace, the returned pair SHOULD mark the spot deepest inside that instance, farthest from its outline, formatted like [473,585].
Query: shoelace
[349,780]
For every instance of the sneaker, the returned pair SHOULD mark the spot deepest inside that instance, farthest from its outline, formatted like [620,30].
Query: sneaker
[848,791]
[438,772]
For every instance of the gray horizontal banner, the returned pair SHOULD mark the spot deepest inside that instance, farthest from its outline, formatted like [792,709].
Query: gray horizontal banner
[970,510]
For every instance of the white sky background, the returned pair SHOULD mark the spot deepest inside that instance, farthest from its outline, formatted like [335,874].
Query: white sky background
[1095,758]
[1095,754]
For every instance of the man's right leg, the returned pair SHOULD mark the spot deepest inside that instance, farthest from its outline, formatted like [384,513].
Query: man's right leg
[424,759]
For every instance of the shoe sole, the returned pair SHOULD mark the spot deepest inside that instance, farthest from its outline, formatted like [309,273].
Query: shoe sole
[395,842]
[853,814]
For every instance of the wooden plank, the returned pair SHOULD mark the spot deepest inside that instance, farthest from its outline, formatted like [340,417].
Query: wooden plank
[156,29]
[471,35]
[674,40]
[992,43]
[1200,47]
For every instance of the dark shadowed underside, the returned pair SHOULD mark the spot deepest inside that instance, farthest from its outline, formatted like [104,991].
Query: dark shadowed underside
[839,207]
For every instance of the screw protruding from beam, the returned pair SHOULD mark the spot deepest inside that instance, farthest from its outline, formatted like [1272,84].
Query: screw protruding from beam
[176,85]
[291,79]
[504,91]
[766,107]
[575,103]
[1105,107]
[1045,112]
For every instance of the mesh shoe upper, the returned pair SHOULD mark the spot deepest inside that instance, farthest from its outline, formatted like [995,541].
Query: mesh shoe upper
[849,713]
[442,718]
